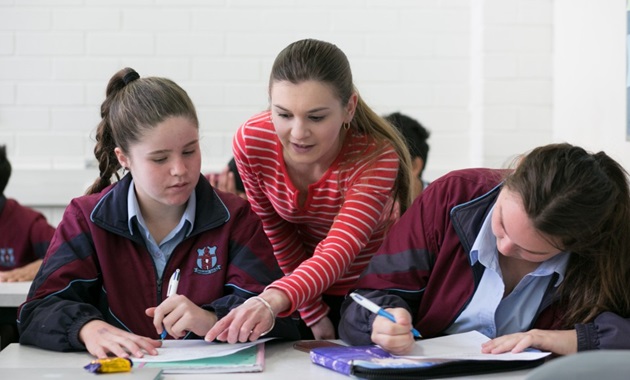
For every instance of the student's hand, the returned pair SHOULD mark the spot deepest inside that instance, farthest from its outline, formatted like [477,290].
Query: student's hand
[323,329]
[394,337]
[179,315]
[225,181]
[101,338]
[561,342]
[25,273]
[249,320]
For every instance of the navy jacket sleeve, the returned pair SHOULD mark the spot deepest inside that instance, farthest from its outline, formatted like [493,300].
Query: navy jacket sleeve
[607,331]
[53,323]
[58,302]
[355,326]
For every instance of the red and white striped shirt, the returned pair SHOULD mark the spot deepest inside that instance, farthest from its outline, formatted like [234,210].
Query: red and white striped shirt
[325,245]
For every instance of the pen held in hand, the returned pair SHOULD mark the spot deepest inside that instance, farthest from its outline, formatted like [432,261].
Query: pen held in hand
[173,283]
[374,308]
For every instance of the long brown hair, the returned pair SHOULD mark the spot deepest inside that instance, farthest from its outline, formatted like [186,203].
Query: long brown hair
[132,106]
[581,200]
[314,60]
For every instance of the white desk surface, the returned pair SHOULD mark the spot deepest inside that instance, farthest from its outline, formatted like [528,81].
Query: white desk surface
[282,361]
[13,294]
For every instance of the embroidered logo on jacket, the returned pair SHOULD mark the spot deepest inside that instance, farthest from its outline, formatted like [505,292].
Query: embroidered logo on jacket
[7,258]
[207,260]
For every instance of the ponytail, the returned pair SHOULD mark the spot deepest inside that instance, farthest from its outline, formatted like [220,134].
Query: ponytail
[132,106]
[108,164]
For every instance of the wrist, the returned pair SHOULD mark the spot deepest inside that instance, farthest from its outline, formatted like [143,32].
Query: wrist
[266,304]
[277,300]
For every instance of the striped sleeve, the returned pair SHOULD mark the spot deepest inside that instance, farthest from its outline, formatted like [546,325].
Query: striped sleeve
[364,204]
[256,163]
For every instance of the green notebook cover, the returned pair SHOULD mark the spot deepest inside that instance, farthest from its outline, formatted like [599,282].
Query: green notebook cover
[251,359]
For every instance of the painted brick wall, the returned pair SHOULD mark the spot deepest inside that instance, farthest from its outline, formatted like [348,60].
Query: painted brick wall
[477,73]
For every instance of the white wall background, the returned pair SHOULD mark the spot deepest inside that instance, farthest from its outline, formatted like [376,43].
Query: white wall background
[590,76]
[482,75]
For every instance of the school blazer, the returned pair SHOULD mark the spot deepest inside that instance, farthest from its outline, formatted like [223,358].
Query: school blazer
[96,268]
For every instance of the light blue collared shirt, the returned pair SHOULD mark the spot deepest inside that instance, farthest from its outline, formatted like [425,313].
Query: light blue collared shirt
[160,253]
[488,312]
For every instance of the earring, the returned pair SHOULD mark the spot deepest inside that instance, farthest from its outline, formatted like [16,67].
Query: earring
[346,126]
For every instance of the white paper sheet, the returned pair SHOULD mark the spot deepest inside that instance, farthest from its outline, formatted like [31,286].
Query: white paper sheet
[174,350]
[464,346]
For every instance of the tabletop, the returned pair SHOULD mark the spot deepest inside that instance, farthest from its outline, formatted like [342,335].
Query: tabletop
[282,361]
[13,294]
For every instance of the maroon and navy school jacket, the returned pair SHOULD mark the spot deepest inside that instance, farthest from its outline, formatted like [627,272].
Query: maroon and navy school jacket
[96,269]
[424,266]
[24,234]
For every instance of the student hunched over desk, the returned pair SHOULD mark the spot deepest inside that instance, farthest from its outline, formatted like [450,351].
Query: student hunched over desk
[535,257]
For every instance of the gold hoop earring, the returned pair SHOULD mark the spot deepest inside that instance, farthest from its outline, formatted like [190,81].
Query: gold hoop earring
[346,126]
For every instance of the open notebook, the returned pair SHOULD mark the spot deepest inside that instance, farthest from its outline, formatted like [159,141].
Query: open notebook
[249,359]
[452,355]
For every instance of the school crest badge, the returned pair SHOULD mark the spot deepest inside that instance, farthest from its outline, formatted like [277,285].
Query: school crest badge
[7,258]
[207,260]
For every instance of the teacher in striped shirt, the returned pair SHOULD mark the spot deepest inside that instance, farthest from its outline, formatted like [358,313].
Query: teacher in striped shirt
[328,177]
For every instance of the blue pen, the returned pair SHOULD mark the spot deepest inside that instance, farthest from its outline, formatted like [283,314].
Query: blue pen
[173,283]
[374,308]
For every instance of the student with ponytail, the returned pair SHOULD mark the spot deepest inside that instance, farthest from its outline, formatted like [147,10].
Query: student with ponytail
[102,285]
[327,175]
[534,257]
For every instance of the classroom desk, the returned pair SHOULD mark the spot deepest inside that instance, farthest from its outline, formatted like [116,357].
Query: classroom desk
[12,294]
[282,361]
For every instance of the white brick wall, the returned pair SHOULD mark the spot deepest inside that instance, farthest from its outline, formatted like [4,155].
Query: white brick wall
[512,78]
[480,84]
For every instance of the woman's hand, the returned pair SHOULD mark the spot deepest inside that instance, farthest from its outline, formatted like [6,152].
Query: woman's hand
[245,322]
[101,338]
[249,320]
[561,342]
[394,337]
[179,315]
[323,329]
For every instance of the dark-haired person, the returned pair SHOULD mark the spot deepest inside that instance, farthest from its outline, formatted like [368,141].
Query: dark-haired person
[416,136]
[24,233]
[24,238]
[534,257]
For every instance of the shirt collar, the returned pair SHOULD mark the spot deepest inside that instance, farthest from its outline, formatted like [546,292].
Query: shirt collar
[485,251]
[133,210]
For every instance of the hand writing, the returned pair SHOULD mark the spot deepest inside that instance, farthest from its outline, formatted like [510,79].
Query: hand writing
[179,315]
[394,337]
